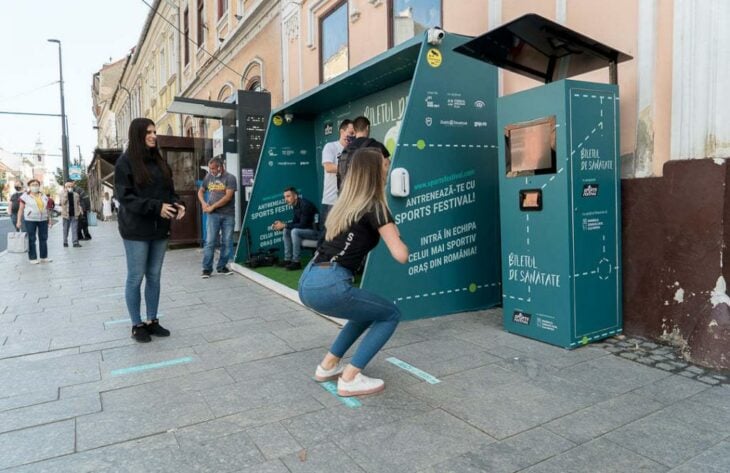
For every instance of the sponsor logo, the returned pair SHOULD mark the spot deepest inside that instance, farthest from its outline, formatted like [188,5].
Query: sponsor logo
[433,57]
[590,190]
[520,317]
[328,128]
[480,124]
[430,103]
[453,123]
[429,121]
[277,120]
[479,104]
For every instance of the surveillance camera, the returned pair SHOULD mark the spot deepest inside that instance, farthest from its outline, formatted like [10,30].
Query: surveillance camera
[435,35]
[288,117]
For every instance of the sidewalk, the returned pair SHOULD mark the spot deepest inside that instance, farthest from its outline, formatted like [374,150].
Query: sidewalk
[231,389]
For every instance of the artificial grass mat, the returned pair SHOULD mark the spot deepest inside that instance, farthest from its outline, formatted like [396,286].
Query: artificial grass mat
[290,278]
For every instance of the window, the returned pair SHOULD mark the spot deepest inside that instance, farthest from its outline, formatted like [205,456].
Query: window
[239,10]
[333,43]
[412,17]
[222,8]
[254,84]
[186,35]
[172,45]
[201,23]
[163,68]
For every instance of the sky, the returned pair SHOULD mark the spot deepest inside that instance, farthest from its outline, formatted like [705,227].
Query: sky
[91,32]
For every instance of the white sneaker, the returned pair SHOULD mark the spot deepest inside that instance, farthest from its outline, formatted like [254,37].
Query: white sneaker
[359,386]
[35,261]
[46,260]
[321,375]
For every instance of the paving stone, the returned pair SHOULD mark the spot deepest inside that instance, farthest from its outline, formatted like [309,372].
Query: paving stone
[37,443]
[664,437]
[507,456]
[139,411]
[275,466]
[28,399]
[48,412]
[413,443]
[679,364]
[671,389]
[716,459]
[598,456]
[630,355]
[688,374]
[226,453]
[658,357]
[325,458]
[612,374]
[594,421]
[513,408]
[273,440]
[708,380]
[696,370]
[311,336]
[334,422]
[665,366]
[18,376]
[649,345]
[12,349]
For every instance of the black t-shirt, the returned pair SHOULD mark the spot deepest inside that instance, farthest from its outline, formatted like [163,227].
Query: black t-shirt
[350,247]
[361,143]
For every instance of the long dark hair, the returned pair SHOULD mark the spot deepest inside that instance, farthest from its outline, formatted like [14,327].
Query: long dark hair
[137,152]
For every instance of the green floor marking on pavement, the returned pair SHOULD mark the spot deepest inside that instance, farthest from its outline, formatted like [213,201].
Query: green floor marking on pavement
[331,387]
[413,370]
[124,321]
[151,366]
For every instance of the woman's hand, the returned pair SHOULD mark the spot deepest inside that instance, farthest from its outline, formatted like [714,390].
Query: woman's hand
[167,211]
[180,211]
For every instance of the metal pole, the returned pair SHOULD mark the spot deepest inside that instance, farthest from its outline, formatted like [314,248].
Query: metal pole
[64,125]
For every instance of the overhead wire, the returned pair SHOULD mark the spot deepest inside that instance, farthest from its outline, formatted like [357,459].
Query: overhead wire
[21,94]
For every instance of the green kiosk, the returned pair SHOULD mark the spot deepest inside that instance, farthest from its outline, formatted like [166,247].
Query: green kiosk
[436,112]
[559,181]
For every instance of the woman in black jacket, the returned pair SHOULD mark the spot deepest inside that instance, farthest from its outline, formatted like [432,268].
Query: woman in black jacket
[147,204]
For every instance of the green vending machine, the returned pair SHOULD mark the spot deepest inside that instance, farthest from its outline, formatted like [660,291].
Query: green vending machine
[559,178]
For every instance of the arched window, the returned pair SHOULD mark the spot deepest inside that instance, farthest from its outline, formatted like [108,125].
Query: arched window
[202,129]
[253,75]
[226,93]
[188,127]
[169,131]
[254,84]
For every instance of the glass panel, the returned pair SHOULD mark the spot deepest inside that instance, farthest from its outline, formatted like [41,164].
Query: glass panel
[335,51]
[413,17]
[183,169]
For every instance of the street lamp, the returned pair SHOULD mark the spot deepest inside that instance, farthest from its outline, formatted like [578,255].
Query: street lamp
[64,124]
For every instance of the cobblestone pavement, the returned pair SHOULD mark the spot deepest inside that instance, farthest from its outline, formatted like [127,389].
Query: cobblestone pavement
[231,389]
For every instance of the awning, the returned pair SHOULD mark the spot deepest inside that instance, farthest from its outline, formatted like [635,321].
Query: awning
[202,108]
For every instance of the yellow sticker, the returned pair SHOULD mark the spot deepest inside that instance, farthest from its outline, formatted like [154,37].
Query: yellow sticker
[433,56]
[277,120]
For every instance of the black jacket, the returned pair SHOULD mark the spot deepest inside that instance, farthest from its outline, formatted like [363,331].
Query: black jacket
[304,212]
[139,207]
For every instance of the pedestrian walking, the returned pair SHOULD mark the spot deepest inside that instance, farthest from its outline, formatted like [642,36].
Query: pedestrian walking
[106,207]
[83,220]
[220,208]
[70,211]
[15,203]
[356,222]
[33,211]
[148,202]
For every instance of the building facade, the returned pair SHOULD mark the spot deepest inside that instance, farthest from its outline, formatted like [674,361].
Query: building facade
[103,85]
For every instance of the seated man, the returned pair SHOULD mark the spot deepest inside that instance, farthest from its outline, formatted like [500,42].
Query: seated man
[300,228]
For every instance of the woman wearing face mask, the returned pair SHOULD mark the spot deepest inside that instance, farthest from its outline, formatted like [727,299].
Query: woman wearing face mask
[357,221]
[148,202]
[33,210]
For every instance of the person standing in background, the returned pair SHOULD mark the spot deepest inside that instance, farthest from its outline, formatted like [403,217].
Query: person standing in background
[70,211]
[15,203]
[221,216]
[34,212]
[330,153]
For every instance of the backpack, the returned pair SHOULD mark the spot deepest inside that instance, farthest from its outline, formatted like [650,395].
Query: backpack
[344,159]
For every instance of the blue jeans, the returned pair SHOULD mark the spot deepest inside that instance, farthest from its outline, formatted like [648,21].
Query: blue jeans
[223,224]
[329,291]
[293,241]
[144,260]
[42,229]
[71,223]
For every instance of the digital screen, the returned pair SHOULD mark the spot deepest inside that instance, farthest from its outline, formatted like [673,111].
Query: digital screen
[530,147]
